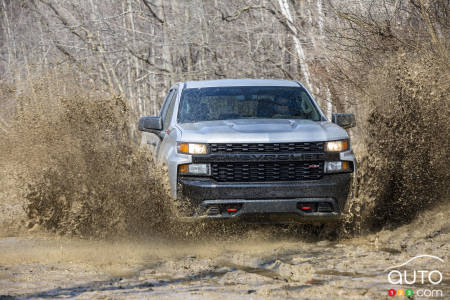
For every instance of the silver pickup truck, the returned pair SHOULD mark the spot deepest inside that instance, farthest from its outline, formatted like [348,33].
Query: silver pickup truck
[252,150]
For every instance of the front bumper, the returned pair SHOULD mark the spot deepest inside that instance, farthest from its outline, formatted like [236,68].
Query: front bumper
[277,202]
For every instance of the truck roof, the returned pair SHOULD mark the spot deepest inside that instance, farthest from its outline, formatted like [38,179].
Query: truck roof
[240,82]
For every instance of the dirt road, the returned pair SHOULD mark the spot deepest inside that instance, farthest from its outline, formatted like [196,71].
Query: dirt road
[265,263]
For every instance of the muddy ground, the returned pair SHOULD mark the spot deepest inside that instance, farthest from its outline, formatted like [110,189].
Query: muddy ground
[262,263]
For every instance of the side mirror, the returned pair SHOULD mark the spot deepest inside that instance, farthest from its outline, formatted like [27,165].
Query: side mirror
[344,120]
[150,124]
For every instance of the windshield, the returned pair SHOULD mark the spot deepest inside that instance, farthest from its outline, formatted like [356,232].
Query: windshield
[226,103]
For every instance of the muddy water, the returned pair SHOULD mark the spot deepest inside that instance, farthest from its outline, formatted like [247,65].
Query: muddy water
[261,264]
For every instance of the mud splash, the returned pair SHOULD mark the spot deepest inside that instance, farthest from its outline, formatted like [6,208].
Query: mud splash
[78,168]
[403,163]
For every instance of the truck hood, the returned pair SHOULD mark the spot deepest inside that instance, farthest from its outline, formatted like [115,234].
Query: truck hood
[260,131]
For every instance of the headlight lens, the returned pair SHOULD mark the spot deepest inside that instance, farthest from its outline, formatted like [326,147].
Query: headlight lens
[337,146]
[190,148]
[194,169]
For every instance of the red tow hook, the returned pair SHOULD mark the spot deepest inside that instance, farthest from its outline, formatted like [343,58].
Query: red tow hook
[232,209]
[307,207]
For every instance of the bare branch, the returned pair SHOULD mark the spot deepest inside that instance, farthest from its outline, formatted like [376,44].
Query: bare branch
[147,61]
[149,6]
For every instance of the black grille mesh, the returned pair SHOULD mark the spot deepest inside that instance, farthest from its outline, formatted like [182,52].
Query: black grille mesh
[266,171]
[267,147]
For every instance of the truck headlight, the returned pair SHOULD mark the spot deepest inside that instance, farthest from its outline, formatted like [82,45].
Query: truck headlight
[194,169]
[190,148]
[336,146]
[337,166]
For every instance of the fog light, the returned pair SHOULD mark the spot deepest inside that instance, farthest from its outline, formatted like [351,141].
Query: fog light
[333,166]
[194,169]
[337,166]
[202,169]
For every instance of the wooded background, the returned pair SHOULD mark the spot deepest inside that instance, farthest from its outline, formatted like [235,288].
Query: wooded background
[139,48]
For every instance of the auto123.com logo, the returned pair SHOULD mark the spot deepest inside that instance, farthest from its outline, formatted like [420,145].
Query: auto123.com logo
[406,276]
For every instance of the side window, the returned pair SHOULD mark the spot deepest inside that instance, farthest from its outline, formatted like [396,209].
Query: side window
[168,116]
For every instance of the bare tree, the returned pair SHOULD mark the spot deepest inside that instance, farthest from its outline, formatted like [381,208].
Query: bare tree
[140,48]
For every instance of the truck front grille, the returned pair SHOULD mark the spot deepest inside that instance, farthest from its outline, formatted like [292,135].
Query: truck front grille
[267,147]
[266,171]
